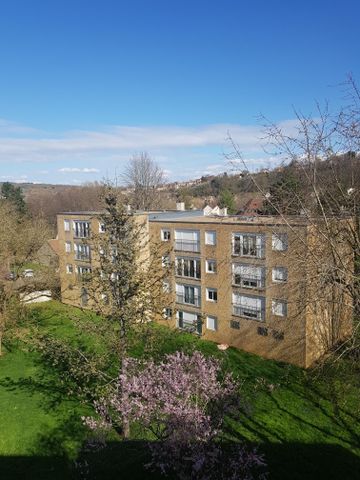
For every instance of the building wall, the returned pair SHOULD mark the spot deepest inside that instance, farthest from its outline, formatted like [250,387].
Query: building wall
[285,339]
[71,287]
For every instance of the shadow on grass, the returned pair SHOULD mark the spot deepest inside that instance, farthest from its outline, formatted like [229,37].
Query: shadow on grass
[125,460]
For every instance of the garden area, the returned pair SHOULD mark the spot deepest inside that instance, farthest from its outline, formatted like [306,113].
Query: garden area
[305,423]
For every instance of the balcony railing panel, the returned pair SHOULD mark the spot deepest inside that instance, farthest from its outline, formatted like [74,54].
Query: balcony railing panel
[187,246]
[188,299]
[248,281]
[248,312]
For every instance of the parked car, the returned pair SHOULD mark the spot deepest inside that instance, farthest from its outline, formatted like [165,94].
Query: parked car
[10,276]
[28,273]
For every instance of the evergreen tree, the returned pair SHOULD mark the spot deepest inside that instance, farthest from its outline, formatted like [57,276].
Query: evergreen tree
[14,195]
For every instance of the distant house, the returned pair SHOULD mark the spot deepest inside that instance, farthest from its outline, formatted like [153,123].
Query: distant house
[252,207]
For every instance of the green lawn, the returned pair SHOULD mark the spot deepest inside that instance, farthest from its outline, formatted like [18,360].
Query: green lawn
[307,425]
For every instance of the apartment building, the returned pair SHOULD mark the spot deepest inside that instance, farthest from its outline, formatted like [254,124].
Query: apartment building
[248,282]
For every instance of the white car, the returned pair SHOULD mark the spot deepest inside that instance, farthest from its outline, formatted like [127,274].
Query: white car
[28,273]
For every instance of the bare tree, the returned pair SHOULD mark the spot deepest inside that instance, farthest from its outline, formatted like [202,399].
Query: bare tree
[323,161]
[21,237]
[144,177]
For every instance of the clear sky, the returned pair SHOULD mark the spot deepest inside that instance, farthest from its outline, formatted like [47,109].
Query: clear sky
[86,84]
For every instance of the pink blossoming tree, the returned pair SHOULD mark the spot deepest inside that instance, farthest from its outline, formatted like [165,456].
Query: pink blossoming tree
[181,403]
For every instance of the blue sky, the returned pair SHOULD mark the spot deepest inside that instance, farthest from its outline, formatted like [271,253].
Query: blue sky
[84,85]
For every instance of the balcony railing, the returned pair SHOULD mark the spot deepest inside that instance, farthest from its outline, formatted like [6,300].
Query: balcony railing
[248,312]
[248,281]
[187,245]
[248,251]
[188,299]
[82,257]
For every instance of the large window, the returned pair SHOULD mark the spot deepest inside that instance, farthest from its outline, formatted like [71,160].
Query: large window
[188,267]
[248,276]
[81,229]
[82,252]
[279,242]
[189,321]
[248,306]
[187,240]
[249,245]
[188,294]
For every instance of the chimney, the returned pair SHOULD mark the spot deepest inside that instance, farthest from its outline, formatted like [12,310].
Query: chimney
[180,206]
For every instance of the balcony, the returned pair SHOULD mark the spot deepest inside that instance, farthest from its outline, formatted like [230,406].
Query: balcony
[187,246]
[185,299]
[248,281]
[83,257]
[248,252]
[245,311]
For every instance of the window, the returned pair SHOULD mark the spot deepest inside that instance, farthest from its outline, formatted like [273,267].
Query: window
[279,242]
[187,240]
[83,270]
[69,268]
[81,229]
[82,252]
[165,261]
[248,306]
[189,321]
[263,331]
[211,294]
[211,323]
[167,313]
[279,308]
[188,294]
[278,335]
[67,225]
[279,274]
[102,228]
[67,247]
[210,238]
[249,245]
[166,286]
[210,266]
[165,235]
[235,324]
[248,276]
[188,267]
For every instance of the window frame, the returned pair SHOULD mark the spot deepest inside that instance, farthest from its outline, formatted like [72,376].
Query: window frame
[238,244]
[215,320]
[207,263]
[275,302]
[279,280]
[214,291]
[277,238]
[210,232]
[163,236]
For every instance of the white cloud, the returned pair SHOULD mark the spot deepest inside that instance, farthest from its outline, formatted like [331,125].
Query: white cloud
[184,152]
[78,170]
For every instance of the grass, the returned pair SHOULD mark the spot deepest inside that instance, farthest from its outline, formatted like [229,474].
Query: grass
[307,423]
